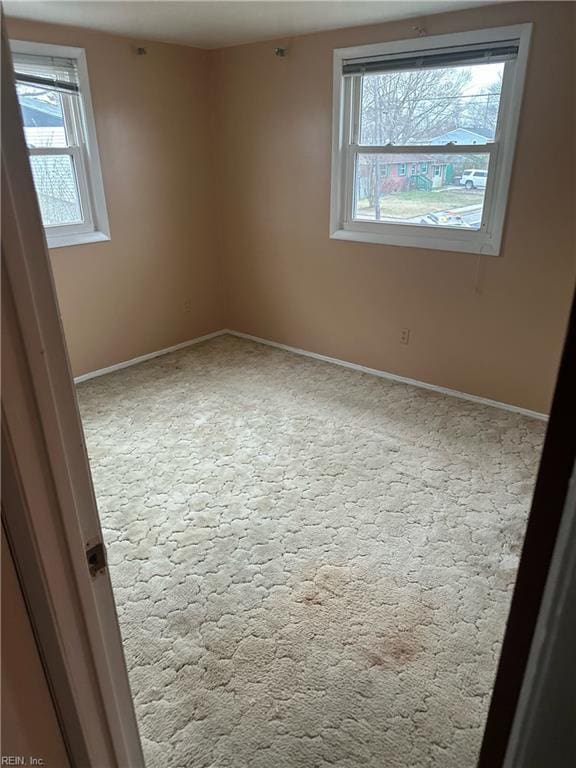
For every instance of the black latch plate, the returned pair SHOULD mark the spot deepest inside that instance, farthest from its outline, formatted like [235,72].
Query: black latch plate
[96,557]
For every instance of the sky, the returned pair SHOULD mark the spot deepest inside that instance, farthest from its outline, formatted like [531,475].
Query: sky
[482,76]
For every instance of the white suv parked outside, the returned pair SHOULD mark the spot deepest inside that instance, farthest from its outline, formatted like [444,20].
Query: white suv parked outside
[474,179]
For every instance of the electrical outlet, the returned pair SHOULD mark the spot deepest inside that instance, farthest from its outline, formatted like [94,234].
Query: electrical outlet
[405,336]
[187,306]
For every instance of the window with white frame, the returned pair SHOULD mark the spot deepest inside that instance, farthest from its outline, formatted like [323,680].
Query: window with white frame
[53,92]
[448,107]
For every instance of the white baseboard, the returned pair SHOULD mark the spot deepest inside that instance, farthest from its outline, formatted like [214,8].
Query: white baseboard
[315,356]
[393,377]
[149,356]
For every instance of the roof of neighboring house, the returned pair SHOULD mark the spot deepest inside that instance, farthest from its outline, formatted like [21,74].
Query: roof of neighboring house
[37,112]
[460,136]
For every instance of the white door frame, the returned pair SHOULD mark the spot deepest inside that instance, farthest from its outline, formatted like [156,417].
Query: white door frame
[48,506]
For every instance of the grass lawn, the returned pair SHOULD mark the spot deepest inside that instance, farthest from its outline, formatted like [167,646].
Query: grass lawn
[419,203]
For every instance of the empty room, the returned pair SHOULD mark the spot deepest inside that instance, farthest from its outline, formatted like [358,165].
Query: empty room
[292,283]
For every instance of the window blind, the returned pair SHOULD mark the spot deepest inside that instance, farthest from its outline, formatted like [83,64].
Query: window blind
[505,50]
[55,73]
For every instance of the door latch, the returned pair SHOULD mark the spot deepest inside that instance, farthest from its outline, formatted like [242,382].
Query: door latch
[96,558]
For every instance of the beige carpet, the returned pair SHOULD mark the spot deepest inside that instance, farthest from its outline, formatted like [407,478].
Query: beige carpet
[312,566]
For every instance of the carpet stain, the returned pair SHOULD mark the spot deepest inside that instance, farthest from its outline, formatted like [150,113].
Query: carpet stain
[398,651]
[312,599]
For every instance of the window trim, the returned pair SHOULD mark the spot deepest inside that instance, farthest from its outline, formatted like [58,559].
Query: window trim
[486,240]
[96,228]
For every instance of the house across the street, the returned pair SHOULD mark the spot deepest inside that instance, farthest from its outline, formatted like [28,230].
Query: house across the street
[402,172]
[399,173]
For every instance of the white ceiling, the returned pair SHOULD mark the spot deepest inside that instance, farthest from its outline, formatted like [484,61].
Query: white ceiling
[220,23]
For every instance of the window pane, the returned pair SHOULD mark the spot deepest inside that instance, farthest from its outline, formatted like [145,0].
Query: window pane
[449,193]
[55,181]
[42,116]
[431,106]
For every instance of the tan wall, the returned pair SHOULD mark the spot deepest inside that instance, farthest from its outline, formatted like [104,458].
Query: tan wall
[124,298]
[288,282]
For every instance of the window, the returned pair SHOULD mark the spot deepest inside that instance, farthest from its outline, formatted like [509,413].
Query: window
[451,101]
[52,89]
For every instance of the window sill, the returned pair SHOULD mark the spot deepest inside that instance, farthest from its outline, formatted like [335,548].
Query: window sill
[476,242]
[61,241]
